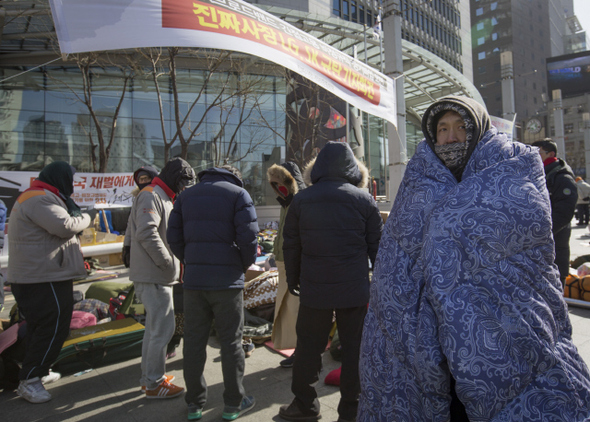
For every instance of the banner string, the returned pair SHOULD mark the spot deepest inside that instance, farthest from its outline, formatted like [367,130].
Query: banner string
[33,68]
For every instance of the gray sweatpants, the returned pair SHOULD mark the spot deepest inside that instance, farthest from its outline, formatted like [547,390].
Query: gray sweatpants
[159,328]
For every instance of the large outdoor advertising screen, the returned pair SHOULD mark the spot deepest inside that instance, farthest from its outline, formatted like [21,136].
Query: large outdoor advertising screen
[570,73]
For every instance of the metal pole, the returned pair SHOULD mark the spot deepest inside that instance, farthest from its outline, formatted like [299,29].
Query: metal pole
[586,117]
[558,121]
[383,125]
[368,130]
[508,102]
[394,65]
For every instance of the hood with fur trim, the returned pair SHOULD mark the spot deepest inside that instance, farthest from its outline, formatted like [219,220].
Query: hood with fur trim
[336,159]
[285,179]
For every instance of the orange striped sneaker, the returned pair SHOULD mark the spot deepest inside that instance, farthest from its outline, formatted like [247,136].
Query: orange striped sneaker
[168,378]
[165,390]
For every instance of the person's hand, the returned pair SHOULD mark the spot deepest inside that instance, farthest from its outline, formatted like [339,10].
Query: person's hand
[126,256]
[294,290]
[92,214]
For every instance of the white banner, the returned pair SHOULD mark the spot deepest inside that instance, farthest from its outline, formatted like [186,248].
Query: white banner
[503,125]
[96,25]
[100,190]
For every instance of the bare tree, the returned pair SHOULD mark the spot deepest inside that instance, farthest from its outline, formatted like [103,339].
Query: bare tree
[94,67]
[226,90]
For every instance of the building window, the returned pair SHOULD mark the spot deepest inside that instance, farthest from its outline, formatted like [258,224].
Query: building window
[494,5]
[494,36]
[568,128]
[353,12]
[336,7]
[482,69]
[494,21]
[481,56]
[481,40]
[479,12]
[480,26]
[345,14]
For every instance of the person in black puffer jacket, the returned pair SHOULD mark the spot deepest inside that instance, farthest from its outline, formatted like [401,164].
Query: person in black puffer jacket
[331,231]
[212,230]
[563,194]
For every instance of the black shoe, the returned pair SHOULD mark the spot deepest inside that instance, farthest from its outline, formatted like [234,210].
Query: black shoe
[288,363]
[292,413]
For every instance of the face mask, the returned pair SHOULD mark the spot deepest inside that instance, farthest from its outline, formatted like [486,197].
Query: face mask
[452,155]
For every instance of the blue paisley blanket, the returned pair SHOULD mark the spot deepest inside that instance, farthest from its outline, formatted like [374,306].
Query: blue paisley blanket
[464,284]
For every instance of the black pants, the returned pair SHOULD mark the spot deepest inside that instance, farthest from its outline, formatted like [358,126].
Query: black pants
[47,309]
[313,328]
[562,252]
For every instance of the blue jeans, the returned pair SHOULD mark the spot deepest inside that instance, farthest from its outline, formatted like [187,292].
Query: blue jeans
[200,309]
[159,328]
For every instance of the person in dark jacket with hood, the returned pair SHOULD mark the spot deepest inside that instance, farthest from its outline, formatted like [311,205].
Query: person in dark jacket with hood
[286,180]
[563,194]
[143,176]
[45,257]
[467,319]
[212,231]
[331,232]
[154,270]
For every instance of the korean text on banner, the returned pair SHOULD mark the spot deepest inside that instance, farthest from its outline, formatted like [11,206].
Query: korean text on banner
[95,25]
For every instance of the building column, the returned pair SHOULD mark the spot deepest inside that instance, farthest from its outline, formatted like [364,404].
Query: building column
[586,118]
[507,75]
[394,68]
[558,122]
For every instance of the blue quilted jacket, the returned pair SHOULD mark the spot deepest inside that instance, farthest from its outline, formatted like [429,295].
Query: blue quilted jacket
[212,231]
[465,284]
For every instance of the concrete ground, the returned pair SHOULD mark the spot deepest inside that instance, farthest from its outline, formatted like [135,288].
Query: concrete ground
[111,393]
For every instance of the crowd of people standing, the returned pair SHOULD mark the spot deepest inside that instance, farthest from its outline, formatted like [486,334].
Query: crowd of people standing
[463,318]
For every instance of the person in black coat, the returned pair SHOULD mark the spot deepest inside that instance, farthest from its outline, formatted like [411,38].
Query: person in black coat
[212,231]
[563,194]
[331,231]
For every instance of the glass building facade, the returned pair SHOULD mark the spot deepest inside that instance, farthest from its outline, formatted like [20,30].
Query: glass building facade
[52,109]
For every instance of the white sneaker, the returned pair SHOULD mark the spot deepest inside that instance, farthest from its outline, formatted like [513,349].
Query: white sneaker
[51,377]
[33,391]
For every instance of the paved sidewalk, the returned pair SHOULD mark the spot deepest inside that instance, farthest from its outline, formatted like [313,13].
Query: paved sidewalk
[112,393]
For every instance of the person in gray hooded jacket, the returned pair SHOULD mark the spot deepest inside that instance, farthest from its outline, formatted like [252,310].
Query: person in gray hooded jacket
[153,269]
[44,258]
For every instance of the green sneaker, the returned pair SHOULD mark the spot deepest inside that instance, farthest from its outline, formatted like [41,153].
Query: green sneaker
[231,413]
[194,412]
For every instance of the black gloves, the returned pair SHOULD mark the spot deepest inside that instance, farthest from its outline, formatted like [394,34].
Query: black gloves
[92,213]
[294,290]
[126,255]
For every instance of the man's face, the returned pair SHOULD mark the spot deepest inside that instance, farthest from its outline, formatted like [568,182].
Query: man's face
[450,129]
[144,178]
[544,154]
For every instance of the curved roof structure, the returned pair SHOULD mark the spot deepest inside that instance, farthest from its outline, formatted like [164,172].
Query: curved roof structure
[28,38]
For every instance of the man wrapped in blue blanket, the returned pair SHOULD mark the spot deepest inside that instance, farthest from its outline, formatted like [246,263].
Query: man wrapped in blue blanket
[467,319]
